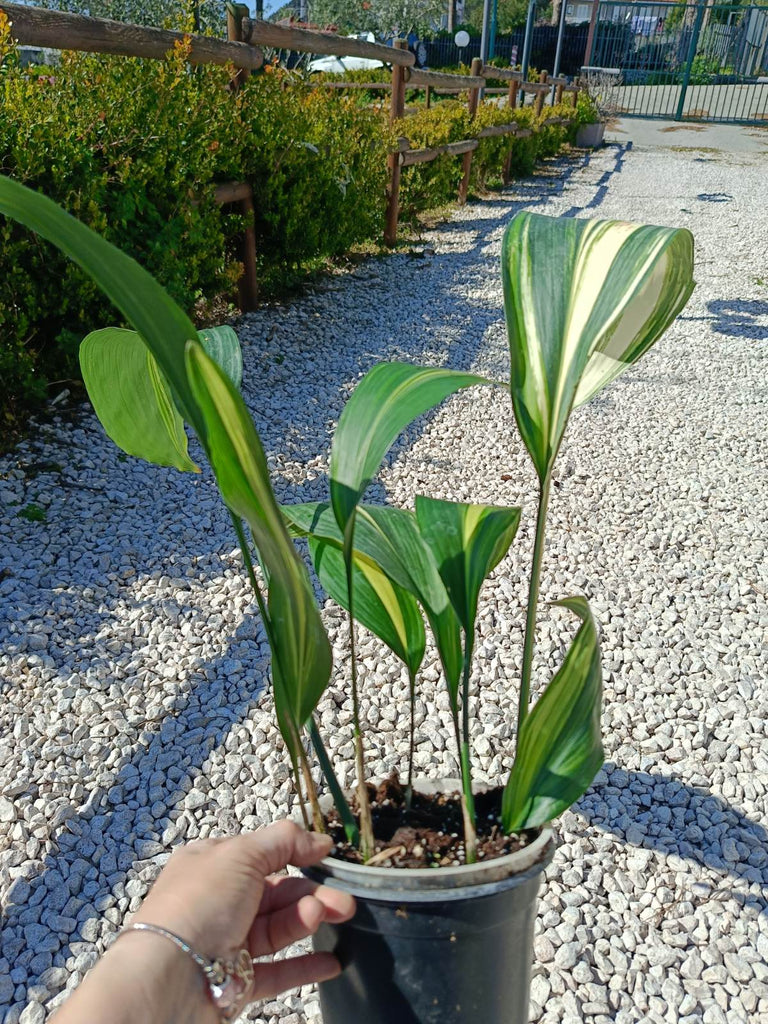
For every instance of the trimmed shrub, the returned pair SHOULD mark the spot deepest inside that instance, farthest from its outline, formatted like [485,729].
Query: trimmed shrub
[135,148]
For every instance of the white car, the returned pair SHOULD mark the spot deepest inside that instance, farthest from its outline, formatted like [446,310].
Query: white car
[339,65]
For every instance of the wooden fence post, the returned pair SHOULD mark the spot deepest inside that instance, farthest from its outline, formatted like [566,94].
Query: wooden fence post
[428,97]
[249,283]
[512,94]
[472,102]
[235,15]
[394,160]
[539,103]
[559,94]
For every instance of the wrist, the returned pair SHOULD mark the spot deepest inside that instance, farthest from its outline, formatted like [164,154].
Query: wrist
[172,987]
[142,977]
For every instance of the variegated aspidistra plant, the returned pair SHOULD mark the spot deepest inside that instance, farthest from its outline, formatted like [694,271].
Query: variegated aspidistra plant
[584,300]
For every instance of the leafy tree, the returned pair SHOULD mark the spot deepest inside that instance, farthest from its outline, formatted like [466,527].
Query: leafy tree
[385,18]
[210,15]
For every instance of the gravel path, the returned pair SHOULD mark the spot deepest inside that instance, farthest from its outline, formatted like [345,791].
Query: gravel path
[134,712]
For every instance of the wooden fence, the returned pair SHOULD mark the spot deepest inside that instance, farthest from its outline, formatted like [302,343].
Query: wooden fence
[243,49]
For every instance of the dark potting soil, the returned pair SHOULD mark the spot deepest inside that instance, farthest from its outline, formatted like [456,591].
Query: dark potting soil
[429,833]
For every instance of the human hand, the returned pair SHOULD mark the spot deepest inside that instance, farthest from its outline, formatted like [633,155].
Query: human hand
[222,895]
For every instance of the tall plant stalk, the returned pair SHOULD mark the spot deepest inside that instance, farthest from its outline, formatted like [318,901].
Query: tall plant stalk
[347,819]
[533,601]
[366,824]
[318,822]
[412,747]
[467,797]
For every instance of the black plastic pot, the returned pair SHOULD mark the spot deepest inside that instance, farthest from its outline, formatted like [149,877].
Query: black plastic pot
[447,945]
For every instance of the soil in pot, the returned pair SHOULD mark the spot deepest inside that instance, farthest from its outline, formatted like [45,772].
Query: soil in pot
[429,833]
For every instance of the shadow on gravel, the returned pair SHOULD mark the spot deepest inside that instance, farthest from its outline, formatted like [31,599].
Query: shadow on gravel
[740,318]
[604,182]
[662,813]
[116,829]
[54,904]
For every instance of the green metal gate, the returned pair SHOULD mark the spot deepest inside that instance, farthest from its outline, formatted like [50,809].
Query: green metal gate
[685,61]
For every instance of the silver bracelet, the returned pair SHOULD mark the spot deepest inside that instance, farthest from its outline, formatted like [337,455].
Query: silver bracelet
[229,981]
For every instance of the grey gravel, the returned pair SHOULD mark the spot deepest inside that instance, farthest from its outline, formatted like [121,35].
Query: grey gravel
[135,714]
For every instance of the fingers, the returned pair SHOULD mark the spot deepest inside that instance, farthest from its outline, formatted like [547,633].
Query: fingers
[292,909]
[284,843]
[271,979]
[279,929]
[282,891]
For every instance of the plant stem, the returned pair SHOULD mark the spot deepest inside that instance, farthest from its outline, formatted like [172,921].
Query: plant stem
[246,552]
[409,790]
[318,822]
[467,797]
[347,819]
[533,600]
[366,824]
[299,793]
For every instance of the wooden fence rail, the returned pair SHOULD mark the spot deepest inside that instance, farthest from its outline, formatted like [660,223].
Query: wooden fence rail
[286,37]
[60,30]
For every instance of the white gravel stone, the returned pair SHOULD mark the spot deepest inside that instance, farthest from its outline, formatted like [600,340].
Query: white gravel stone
[135,711]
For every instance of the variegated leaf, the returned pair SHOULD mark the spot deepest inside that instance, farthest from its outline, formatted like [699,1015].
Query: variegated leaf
[584,299]
[559,750]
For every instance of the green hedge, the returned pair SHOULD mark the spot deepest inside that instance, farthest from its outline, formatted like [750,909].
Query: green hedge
[425,186]
[135,148]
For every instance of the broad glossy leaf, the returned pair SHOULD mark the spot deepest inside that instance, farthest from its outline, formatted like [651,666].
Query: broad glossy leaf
[131,398]
[382,606]
[584,299]
[468,541]
[143,302]
[559,751]
[300,647]
[390,538]
[385,401]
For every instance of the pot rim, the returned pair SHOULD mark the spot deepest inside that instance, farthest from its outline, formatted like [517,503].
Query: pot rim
[428,884]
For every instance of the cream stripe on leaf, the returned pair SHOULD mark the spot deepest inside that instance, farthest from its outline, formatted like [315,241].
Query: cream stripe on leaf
[467,541]
[389,539]
[388,611]
[583,300]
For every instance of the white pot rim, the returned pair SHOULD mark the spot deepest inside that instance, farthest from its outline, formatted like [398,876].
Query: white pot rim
[512,868]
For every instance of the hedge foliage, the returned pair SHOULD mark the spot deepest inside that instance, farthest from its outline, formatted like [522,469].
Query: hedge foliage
[135,148]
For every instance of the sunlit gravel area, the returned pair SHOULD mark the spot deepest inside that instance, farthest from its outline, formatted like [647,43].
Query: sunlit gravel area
[135,708]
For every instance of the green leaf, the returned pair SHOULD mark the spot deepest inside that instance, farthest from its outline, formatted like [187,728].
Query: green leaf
[223,346]
[144,303]
[584,299]
[131,398]
[390,538]
[382,606]
[559,750]
[468,541]
[300,648]
[385,401]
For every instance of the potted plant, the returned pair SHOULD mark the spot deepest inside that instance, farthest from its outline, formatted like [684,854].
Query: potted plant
[596,103]
[450,938]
